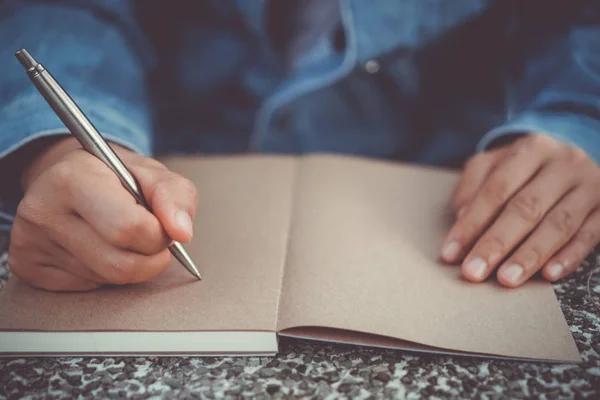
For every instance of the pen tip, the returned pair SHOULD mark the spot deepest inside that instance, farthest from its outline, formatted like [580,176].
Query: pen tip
[26,60]
[184,258]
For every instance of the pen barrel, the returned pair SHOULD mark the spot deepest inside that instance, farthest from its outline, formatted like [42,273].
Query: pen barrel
[83,130]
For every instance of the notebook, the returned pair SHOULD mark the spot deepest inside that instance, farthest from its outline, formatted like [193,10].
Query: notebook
[325,247]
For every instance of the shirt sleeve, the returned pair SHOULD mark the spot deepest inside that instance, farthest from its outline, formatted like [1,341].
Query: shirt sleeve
[99,55]
[558,93]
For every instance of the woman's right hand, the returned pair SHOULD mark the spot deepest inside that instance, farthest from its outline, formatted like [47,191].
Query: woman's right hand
[77,228]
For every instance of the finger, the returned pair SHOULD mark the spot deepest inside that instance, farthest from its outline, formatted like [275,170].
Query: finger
[55,279]
[66,261]
[556,229]
[115,265]
[519,218]
[576,250]
[100,199]
[173,200]
[515,170]
[30,247]
[24,266]
[473,176]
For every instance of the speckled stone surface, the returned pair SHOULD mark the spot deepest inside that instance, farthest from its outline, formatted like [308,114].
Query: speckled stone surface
[314,370]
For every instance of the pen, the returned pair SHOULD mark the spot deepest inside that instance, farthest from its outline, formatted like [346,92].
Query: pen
[90,139]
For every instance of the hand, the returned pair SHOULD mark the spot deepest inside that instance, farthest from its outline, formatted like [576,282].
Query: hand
[77,227]
[531,205]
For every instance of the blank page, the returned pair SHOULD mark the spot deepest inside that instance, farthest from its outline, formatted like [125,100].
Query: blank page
[241,232]
[363,257]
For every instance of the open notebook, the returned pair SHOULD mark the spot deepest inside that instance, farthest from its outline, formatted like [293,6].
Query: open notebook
[321,247]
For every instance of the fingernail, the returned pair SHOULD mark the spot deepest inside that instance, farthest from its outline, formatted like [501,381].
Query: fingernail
[461,212]
[184,221]
[554,271]
[451,251]
[512,273]
[476,268]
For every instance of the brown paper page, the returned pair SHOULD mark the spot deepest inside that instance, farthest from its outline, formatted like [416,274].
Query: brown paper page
[362,257]
[241,233]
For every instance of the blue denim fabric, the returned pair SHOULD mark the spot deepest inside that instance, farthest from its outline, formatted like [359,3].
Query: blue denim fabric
[422,81]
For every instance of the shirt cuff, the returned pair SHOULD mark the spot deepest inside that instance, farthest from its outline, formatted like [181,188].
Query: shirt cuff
[577,130]
[29,117]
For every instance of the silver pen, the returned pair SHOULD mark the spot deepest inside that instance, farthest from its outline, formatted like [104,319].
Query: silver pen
[90,139]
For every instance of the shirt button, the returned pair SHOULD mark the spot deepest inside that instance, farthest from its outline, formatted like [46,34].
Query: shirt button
[372,66]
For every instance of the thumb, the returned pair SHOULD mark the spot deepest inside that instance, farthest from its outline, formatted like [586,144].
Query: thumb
[173,199]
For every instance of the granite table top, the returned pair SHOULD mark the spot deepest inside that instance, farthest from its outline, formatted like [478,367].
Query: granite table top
[306,369]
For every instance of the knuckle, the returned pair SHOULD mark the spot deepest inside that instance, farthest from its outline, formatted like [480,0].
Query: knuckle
[562,221]
[494,244]
[120,271]
[61,175]
[527,207]
[495,191]
[124,231]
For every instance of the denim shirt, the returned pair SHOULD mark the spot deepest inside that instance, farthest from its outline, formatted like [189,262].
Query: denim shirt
[423,81]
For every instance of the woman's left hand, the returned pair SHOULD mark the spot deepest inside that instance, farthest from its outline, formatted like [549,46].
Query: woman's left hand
[530,205]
